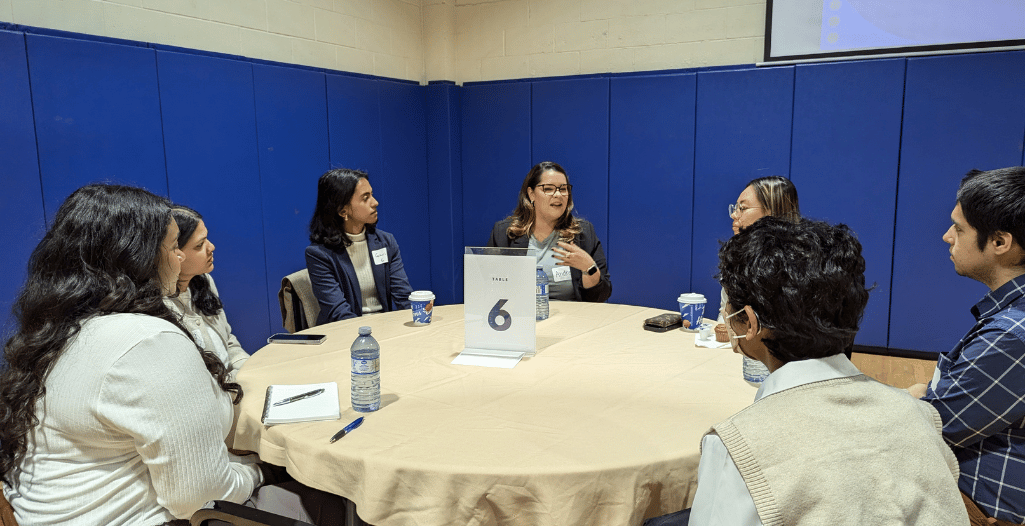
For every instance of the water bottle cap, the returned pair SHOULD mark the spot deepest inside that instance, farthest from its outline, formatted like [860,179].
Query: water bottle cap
[364,331]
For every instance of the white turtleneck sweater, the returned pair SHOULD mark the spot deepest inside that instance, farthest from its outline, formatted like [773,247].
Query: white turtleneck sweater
[359,254]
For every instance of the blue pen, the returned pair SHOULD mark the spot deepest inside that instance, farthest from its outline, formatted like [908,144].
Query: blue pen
[355,423]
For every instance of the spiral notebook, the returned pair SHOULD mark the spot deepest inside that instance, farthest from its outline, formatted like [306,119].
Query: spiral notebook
[322,406]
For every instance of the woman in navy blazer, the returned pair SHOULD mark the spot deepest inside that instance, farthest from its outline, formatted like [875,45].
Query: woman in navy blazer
[355,268]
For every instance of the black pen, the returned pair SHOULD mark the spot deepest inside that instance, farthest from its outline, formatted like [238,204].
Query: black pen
[298,397]
[355,423]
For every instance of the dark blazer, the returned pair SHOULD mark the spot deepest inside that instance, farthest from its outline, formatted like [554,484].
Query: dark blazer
[336,287]
[586,239]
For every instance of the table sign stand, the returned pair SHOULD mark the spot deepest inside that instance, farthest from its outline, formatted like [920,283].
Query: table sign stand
[500,316]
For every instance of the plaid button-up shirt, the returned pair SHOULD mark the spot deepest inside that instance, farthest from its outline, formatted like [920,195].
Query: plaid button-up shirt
[979,392]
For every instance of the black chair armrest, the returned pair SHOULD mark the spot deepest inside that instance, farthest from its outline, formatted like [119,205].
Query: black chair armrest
[239,515]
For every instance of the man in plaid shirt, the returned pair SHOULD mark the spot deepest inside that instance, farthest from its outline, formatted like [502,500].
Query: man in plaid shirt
[979,386]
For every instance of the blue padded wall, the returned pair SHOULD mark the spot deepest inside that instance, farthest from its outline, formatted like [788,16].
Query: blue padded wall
[401,186]
[846,146]
[570,126]
[257,136]
[97,114]
[21,199]
[960,112]
[743,132]
[291,122]
[354,125]
[213,167]
[445,192]
[651,183]
[495,155]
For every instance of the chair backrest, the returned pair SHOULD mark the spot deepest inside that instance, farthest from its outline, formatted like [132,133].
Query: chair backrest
[6,511]
[221,512]
[299,307]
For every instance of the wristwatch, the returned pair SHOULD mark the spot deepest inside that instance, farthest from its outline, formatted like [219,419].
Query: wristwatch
[593,270]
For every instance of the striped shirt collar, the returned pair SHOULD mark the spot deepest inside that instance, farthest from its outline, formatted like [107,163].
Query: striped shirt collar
[996,300]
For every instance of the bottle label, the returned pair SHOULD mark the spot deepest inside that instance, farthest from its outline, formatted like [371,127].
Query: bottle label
[366,366]
[542,288]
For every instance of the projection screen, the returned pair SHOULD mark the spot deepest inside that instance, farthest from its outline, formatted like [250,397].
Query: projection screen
[829,29]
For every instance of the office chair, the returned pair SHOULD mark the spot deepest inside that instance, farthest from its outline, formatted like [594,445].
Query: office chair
[217,513]
[299,307]
[223,513]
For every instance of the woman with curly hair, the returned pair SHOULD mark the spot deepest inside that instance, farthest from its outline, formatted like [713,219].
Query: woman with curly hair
[109,412]
[567,247]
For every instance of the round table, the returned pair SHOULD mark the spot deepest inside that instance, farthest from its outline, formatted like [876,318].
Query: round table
[602,426]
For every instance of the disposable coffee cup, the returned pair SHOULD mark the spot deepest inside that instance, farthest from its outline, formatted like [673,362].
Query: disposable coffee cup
[692,308]
[423,306]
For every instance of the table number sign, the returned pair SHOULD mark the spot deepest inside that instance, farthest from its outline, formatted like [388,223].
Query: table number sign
[498,284]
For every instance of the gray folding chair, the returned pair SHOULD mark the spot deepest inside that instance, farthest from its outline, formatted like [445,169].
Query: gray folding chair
[299,307]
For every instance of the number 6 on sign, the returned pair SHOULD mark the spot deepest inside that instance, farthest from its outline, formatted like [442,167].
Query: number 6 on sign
[497,311]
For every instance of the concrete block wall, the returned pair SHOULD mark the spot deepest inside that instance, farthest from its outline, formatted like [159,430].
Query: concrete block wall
[424,40]
[511,39]
[375,37]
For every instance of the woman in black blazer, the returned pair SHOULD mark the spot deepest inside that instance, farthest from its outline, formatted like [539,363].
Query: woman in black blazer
[567,247]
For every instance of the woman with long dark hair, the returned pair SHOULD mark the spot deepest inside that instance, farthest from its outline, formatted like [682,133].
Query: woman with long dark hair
[109,412]
[355,269]
[196,300]
[567,247]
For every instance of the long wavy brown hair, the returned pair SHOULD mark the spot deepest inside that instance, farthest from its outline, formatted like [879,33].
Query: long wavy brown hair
[101,256]
[524,216]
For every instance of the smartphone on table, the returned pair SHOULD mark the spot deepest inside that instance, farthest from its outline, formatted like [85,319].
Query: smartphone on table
[309,339]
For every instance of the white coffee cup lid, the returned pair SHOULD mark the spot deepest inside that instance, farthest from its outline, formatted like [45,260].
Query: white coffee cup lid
[692,297]
[421,295]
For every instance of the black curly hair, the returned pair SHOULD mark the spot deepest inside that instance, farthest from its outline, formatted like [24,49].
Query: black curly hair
[804,280]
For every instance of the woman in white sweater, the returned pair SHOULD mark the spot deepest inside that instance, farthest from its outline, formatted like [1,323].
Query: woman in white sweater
[109,411]
[196,299]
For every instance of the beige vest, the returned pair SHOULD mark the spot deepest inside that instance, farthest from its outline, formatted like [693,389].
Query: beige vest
[845,451]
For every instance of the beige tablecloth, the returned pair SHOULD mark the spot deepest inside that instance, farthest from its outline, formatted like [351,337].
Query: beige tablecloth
[601,427]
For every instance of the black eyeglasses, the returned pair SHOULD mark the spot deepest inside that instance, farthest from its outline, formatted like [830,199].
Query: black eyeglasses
[550,189]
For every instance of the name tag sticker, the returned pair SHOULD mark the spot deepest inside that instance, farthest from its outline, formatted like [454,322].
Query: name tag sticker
[380,256]
[560,273]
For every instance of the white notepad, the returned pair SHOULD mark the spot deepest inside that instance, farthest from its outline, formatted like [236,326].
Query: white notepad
[323,406]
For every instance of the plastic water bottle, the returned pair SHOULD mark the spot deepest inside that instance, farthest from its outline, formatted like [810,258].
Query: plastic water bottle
[366,372]
[541,298]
